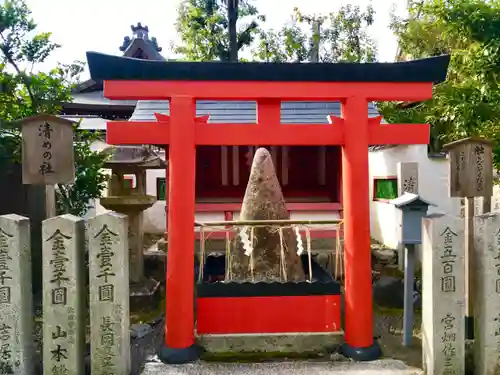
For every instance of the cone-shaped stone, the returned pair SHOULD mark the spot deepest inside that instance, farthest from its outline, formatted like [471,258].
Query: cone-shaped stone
[264,201]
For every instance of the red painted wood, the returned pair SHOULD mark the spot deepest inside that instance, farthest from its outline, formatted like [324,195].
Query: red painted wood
[354,132]
[358,280]
[268,133]
[180,267]
[303,173]
[137,132]
[269,110]
[232,90]
[261,315]
[236,207]
[237,192]
[209,173]
[131,132]
[316,234]
[399,134]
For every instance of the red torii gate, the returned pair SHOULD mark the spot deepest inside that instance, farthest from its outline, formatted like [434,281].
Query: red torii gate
[184,83]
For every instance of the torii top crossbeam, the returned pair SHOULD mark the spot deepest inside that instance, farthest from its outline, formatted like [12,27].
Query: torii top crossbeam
[268,84]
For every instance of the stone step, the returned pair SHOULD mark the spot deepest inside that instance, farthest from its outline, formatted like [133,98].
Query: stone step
[380,367]
[296,343]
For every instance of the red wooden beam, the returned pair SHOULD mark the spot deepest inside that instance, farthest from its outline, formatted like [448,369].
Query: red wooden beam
[236,207]
[130,132]
[269,111]
[400,134]
[275,134]
[137,133]
[254,90]
[397,134]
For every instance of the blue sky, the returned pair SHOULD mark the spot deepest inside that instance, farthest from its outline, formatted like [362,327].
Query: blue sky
[100,25]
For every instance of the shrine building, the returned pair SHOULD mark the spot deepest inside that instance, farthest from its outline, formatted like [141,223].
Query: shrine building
[310,175]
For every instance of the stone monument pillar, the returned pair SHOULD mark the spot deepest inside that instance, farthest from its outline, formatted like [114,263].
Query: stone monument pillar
[64,295]
[443,299]
[487,294]
[17,349]
[109,294]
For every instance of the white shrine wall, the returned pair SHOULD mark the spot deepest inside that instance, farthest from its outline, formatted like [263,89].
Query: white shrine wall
[432,187]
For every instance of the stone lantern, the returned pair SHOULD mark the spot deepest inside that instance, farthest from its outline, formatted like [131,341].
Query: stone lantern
[133,160]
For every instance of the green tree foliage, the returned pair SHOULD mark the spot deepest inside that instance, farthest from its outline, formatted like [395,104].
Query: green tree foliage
[338,36]
[25,92]
[467,103]
[204,27]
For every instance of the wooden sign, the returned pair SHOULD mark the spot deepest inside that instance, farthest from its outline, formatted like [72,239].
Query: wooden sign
[47,152]
[471,168]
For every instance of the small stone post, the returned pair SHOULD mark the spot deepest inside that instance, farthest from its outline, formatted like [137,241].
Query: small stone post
[63,295]
[16,307]
[109,294]
[487,293]
[443,299]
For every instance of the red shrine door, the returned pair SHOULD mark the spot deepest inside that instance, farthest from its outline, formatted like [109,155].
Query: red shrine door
[269,84]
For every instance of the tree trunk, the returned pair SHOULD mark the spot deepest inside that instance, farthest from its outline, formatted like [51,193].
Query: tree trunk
[232,15]
[264,201]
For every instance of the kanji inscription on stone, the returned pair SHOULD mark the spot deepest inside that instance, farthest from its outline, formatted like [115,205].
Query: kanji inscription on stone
[63,295]
[109,294]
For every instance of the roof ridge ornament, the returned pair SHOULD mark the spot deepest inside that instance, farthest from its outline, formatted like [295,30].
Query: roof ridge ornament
[139,31]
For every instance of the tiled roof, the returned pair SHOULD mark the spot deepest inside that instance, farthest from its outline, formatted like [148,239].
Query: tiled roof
[97,98]
[246,111]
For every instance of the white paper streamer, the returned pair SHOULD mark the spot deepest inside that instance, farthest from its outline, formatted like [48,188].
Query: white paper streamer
[300,244]
[245,240]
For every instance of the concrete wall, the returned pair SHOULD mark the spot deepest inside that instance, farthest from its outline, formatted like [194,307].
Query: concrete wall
[433,187]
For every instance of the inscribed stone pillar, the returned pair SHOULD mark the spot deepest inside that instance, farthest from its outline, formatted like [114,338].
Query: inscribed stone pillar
[109,294]
[135,243]
[16,310]
[487,294]
[63,295]
[407,178]
[443,299]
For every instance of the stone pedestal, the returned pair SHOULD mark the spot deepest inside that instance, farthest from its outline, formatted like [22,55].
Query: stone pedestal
[16,311]
[109,294]
[443,299]
[487,294]
[63,295]
[143,292]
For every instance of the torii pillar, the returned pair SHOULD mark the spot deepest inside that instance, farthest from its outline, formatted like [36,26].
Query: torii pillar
[184,83]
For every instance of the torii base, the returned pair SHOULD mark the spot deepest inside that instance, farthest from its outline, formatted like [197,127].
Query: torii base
[369,353]
[178,356]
